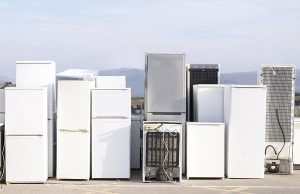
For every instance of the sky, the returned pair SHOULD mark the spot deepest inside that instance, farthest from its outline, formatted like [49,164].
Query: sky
[96,34]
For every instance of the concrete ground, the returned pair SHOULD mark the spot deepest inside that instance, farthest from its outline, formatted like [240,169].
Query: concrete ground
[273,184]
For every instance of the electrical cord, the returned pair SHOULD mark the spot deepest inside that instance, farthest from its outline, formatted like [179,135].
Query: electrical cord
[281,132]
[163,167]
[271,147]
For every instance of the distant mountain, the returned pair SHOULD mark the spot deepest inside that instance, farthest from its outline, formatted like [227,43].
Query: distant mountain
[135,78]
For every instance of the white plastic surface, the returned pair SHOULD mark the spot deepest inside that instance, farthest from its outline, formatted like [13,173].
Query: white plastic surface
[26,159]
[297,142]
[111,148]
[25,111]
[205,150]
[110,82]
[111,103]
[246,132]
[209,103]
[73,129]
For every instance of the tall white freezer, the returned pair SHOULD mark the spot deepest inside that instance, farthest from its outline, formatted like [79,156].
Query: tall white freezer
[245,118]
[111,120]
[205,150]
[41,74]
[73,129]
[26,135]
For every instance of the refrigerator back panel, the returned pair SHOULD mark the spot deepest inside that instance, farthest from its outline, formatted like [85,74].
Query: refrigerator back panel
[209,103]
[38,74]
[162,151]
[280,81]
[111,104]
[25,111]
[111,82]
[165,83]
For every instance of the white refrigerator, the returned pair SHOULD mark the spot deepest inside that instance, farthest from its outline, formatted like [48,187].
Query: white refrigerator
[111,120]
[41,74]
[73,129]
[245,118]
[26,135]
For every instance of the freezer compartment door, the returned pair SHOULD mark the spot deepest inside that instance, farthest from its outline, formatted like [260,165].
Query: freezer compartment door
[26,159]
[165,83]
[73,154]
[26,111]
[111,149]
[114,104]
[73,105]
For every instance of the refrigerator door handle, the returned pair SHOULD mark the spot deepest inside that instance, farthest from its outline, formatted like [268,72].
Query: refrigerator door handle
[75,130]
[110,117]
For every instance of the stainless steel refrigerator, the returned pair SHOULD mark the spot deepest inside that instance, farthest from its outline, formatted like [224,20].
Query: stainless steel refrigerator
[165,90]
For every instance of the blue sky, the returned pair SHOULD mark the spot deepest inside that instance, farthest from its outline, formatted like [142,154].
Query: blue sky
[96,34]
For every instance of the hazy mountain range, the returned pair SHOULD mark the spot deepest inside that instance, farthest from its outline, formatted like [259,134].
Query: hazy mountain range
[135,78]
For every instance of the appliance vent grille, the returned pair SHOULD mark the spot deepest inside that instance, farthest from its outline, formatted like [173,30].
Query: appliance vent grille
[280,97]
[162,149]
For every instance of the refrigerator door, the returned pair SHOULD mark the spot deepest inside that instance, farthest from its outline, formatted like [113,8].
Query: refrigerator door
[165,83]
[246,132]
[113,104]
[73,154]
[26,159]
[209,103]
[73,129]
[38,74]
[25,111]
[205,150]
[111,148]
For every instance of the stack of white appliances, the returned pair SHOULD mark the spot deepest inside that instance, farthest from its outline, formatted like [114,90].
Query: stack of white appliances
[73,129]
[26,135]
[41,74]
[242,109]
[206,136]
[205,150]
[111,120]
